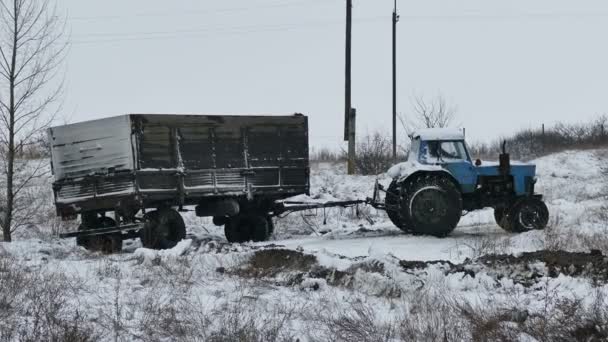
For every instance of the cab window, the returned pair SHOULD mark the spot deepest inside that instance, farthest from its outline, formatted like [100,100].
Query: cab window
[444,152]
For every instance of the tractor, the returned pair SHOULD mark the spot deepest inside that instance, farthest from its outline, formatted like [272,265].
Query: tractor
[439,182]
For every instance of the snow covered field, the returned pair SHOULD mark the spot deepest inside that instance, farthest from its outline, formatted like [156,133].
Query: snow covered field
[354,278]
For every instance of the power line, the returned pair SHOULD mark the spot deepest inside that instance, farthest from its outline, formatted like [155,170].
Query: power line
[238,30]
[272,5]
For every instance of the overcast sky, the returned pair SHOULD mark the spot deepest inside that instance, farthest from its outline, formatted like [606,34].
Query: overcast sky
[505,65]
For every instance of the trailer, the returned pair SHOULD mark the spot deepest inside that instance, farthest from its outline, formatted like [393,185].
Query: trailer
[130,176]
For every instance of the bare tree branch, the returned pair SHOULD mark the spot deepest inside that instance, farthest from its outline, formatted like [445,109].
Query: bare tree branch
[31,54]
[428,113]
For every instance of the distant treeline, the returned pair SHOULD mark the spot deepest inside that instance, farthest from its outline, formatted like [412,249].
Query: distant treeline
[536,142]
[374,151]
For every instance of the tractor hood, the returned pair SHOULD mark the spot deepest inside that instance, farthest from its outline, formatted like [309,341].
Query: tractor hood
[517,169]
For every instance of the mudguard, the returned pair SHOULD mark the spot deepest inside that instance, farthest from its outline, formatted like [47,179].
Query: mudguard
[402,171]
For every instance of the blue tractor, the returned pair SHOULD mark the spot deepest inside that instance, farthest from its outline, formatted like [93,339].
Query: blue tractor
[439,182]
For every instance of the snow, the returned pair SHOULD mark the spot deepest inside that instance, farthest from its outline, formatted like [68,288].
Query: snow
[202,270]
[439,134]
[404,169]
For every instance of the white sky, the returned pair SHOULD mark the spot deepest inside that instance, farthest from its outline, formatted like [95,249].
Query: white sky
[505,64]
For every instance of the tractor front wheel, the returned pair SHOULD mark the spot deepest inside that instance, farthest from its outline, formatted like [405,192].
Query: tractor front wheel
[526,214]
[431,204]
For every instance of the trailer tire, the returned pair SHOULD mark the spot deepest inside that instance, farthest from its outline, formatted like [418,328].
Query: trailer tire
[391,202]
[431,204]
[163,229]
[107,243]
[247,227]
[526,214]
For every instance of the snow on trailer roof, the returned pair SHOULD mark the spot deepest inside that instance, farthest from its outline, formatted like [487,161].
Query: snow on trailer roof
[439,134]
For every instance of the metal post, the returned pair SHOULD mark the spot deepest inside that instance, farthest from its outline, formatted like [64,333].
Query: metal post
[395,20]
[352,126]
[543,138]
[347,83]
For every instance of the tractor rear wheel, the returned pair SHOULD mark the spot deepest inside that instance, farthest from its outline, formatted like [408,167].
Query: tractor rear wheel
[391,202]
[163,229]
[526,214]
[431,204]
[247,227]
[106,243]
[499,216]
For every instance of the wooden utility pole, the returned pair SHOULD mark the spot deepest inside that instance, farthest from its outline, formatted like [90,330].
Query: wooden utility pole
[352,137]
[395,20]
[348,110]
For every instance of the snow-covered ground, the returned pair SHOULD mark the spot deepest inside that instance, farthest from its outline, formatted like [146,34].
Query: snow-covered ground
[354,277]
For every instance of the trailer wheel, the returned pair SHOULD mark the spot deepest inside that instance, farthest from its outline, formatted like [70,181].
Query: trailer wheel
[108,243]
[163,229]
[391,202]
[431,204]
[247,227]
[527,214]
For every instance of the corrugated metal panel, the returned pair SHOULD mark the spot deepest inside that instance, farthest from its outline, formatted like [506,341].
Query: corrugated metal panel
[199,179]
[156,149]
[230,178]
[196,147]
[294,176]
[114,185]
[157,181]
[229,147]
[77,190]
[263,145]
[265,177]
[92,147]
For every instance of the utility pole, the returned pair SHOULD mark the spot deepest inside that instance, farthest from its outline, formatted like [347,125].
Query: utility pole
[395,20]
[348,110]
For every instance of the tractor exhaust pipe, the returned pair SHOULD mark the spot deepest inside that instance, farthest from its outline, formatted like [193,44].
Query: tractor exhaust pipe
[504,161]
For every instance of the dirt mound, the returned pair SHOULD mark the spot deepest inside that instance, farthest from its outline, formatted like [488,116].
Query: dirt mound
[289,267]
[271,262]
[528,267]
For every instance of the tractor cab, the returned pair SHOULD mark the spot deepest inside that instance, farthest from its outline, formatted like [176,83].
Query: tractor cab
[445,147]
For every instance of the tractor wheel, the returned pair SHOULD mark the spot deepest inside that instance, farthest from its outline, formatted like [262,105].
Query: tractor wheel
[526,214]
[247,227]
[391,202]
[163,229]
[107,243]
[499,216]
[431,204]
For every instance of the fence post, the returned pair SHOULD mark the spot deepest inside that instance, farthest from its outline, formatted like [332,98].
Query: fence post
[542,139]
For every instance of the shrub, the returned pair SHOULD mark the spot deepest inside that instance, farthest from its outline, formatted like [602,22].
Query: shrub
[374,154]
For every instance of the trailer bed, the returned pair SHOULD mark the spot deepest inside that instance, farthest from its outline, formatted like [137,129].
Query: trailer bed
[141,160]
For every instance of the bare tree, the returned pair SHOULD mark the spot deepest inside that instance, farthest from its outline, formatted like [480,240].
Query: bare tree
[433,113]
[31,53]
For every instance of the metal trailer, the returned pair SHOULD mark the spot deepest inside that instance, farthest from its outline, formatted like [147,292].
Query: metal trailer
[140,166]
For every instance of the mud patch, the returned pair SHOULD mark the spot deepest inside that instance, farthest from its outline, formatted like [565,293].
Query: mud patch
[528,267]
[287,267]
[271,262]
